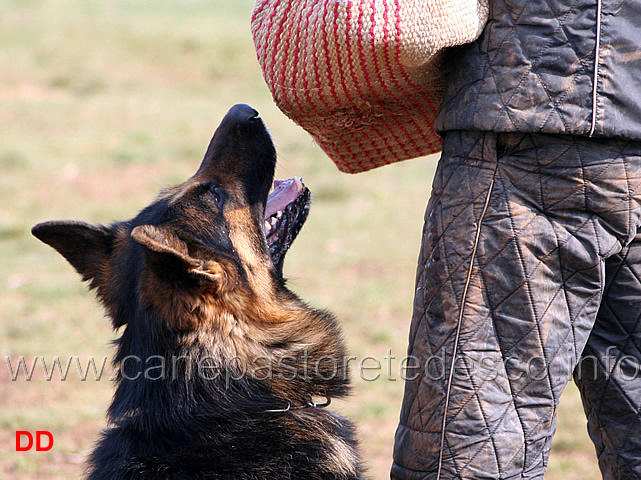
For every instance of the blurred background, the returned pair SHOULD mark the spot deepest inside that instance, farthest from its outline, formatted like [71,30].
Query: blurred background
[104,102]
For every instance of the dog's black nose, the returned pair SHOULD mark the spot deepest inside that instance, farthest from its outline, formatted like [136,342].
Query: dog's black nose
[241,113]
[241,135]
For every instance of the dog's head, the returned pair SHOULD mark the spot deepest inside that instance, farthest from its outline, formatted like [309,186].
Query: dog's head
[219,233]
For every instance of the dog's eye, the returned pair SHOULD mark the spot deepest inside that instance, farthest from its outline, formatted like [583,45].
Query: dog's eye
[218,195]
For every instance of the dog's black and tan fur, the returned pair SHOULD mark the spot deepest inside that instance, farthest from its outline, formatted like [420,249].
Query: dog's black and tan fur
[218,362]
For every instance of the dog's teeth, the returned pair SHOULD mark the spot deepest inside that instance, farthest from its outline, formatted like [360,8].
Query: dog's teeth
[268,226]
[273,221]
[279,214]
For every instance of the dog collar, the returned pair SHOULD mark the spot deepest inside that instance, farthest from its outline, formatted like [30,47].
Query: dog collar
[308,404]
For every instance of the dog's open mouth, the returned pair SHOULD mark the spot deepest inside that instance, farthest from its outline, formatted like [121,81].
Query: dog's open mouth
[285,213]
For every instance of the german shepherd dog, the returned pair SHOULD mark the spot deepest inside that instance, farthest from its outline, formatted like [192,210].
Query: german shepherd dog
[219,364]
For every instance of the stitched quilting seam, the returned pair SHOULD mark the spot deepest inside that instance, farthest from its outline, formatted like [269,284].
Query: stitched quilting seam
[621,390]
[490,432]
[595,80]
[534,315]
[509,384]
[459,322]
[561,267]
[531,70]
[559,98]
[513,240]
[444,229]
[527,332]
[629,340]
[629,190]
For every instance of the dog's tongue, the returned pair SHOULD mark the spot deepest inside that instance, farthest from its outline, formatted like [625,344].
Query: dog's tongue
[284,193]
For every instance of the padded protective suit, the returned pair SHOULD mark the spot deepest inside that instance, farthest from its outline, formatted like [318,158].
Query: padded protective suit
[530,252]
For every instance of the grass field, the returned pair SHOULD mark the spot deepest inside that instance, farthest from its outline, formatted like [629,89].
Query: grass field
[102,103]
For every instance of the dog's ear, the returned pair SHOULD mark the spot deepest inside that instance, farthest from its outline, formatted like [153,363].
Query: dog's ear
[86,247]
[170,258]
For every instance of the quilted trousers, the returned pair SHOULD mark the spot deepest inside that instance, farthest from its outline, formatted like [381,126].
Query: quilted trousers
[529,273]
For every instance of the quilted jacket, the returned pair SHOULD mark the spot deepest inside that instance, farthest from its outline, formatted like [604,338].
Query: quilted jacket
[555,66]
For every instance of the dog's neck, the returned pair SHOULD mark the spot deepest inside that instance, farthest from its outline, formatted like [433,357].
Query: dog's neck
[240,366]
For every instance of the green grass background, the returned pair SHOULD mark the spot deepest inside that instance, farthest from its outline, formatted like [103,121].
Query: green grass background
[101,104]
